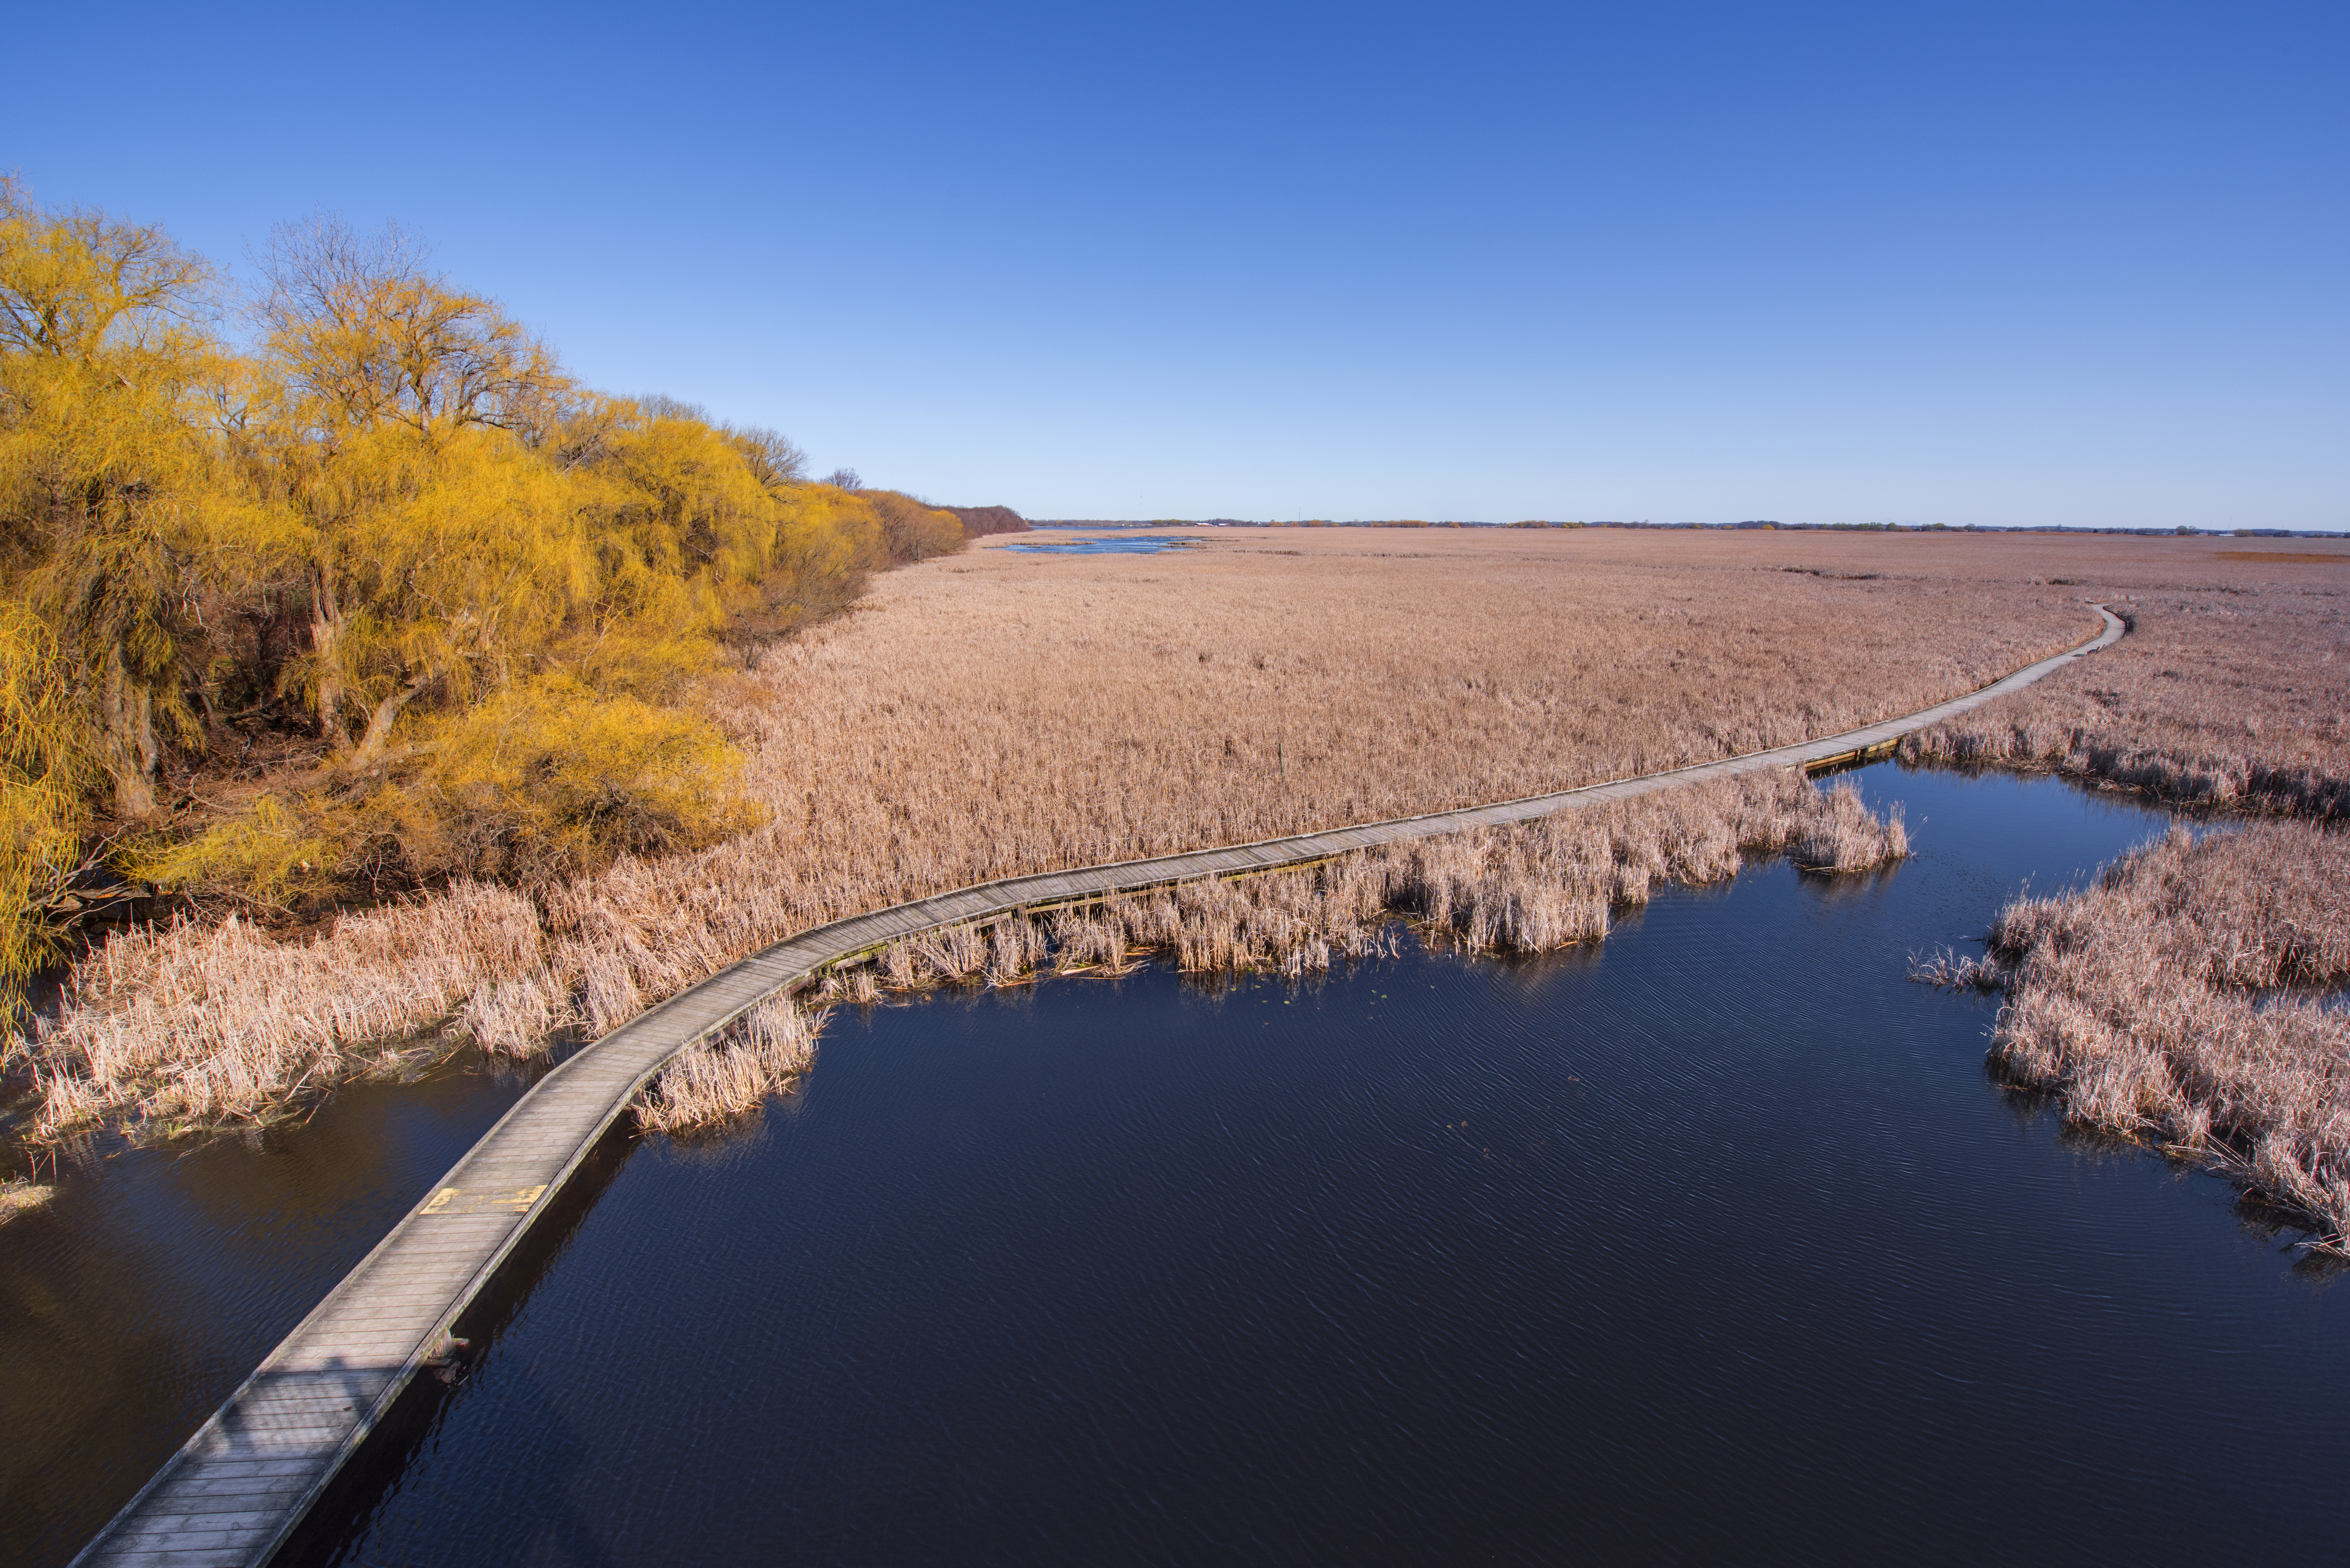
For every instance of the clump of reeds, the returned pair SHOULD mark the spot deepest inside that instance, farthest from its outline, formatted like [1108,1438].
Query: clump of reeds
[1945,969]
[20,1196]
[1846,835]
[2176,1001]
[855,983]
[514,1017]
[731,1071]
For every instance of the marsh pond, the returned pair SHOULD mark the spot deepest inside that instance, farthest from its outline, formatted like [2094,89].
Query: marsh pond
[1717,1241]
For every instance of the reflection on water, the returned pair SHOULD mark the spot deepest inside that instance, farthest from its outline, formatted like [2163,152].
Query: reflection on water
[1714,1242]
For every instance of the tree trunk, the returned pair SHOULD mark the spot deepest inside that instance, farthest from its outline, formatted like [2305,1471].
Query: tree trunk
[326,637]
[378,730]
[125,714]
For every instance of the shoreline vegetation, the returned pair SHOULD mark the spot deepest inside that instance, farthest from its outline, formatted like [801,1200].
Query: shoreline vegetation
[2231,699]
[2190,1000]
[2179,1001]
[993,714]
[1537,887]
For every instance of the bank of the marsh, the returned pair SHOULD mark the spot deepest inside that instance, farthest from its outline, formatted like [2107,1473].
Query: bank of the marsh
[2184,1000]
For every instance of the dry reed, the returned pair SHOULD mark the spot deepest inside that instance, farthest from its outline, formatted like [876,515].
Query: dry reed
[728,1073]
[2233,690]
[1002,713]
[2173,1001]
[19,1196]
[1843,836]
[1530,888]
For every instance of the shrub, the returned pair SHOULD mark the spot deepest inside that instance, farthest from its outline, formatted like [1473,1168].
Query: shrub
[550,780]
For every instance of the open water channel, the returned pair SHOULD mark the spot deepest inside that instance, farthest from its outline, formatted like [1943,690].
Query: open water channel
[1714,1242]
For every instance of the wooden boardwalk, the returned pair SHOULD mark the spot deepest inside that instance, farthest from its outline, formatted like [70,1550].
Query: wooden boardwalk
[237,1488]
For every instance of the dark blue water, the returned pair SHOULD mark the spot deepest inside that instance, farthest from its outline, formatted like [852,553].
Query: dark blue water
[141,1295]
[1713,1242]
[1117,545]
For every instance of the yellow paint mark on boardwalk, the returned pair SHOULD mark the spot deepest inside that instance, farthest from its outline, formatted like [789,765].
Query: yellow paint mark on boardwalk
[448,1201]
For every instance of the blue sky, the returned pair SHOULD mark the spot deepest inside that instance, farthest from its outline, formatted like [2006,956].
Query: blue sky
[2034,263]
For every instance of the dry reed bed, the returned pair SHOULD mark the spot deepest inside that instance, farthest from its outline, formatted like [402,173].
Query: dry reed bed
[2233,690]
[197,1023]
[727,1073]
[2169,1003]
[1530,888]
[999,713]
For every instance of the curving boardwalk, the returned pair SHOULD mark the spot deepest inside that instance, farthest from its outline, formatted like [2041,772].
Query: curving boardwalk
[234,1492]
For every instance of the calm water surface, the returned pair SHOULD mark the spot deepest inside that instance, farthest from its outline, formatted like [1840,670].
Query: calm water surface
[137,1299]
[1713,1241]
[1117,545]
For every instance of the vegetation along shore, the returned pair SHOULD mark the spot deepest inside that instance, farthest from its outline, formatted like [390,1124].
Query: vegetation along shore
[2190,1000]
[1158,705]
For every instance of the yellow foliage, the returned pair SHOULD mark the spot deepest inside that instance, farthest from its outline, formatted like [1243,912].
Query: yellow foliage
[436,567]
[683,502]
[551,780]
[105,481]
[912,531]
[395,547]
[43,782]
[274,854]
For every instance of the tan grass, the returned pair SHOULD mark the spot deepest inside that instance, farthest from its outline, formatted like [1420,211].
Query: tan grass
[2233,689]
[2172,1003]
[728,1073]
[19,1196]
[1000,714]
[1530,888]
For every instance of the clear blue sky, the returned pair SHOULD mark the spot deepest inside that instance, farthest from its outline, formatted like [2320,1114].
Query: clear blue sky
[1964,263]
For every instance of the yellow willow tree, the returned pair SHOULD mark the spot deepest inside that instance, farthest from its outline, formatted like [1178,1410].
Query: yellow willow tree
[45,779]
[440,548]
[912,531]
[830,541]
[686,519]
[108,485]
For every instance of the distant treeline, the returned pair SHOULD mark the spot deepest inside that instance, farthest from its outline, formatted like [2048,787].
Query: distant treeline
[978,520]
[369,594]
